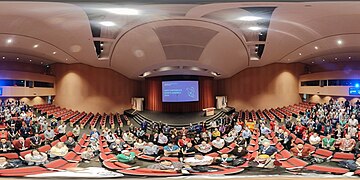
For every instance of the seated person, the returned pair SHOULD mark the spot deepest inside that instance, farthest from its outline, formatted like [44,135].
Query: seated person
[347,144]
[95,147]
[95,133]
[5,146]
[224,160]
[216,133]
[199,160]
[162,139]
[59,150]
[229,138]
[239,152]
[357,148]
[350,164]
[187,151]
[300,151]
[94,138]
[70,142]
[110,137]
[49,135]
[171,150]
[267,149]
[167,166]
[36,158]
[328,143]
[204,147]
[129,138]
[35,141]
[21,144]
[151,150]
[315,140]
[117,146]
[5,164]
[125,157]
[264,130]
[286,140]
[264,161]
[218,144]
[183,141]
[87,155]
[139,144]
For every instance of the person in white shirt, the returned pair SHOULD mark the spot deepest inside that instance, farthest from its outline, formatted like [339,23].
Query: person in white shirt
[162,140]
[353,122]
[198,160]
[315,140]
[237,128]
[218,144]
[61,130]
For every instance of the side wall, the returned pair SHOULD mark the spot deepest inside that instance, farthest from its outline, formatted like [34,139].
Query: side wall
[274,85]
[86,88]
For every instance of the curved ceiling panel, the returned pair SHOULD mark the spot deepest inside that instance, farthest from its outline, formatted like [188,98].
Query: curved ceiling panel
[142,50]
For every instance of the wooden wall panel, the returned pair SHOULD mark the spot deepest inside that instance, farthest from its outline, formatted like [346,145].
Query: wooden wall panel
[269,86]
[86,88]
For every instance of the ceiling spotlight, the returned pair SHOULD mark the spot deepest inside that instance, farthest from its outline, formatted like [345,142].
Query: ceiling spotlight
[54,52]
[255,28]
[17,58]
[36,45]
[9,41]
[3,57]
[300,54]
[316,47]
[349,57]
[323,60]
[336,58]
[107,23]
[41,62]
[66,59]
[339,42]
[123,11]
[313,62]
[30,60]
[249,18]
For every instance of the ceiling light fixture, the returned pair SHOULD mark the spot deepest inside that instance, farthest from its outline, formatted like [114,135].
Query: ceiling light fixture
[349,57]
[336,58]
[249,18]
[255,28]
[41,62]
[323,60]
[123,11]
[54,52]
[107,23]
[313,62]
[3,57]
[30,60]
[300,54]
[9,41]
[36,45]
[339,42]
[17,58]
[316,47]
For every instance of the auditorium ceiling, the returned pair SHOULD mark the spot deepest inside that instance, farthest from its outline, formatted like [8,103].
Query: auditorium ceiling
[188,37]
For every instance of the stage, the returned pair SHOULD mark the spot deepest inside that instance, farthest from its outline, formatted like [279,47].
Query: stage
[177,118]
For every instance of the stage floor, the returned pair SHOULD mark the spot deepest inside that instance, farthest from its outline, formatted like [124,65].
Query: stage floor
[177,118]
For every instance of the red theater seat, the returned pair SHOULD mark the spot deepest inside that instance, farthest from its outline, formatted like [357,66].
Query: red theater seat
[44,149]
[327,169]
[294,163]
[340,156]
[283,155]
[72,157]
[322,153]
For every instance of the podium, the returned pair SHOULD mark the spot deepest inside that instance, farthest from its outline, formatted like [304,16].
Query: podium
[209,111]
[137,103]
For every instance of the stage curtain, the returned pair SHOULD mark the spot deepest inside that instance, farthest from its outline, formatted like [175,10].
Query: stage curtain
[153,98]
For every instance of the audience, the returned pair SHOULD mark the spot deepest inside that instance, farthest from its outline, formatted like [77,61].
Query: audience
[36,158]
[59,150]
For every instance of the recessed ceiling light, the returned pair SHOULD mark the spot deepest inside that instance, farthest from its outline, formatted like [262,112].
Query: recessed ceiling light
[255,28]
[66,59]
[107,23]
[288,59]
[316,47]
[349,57]
[323,60]
[249,18]
[336,58]
[41,62]
[313,62]
[300,54]
[36,45]
[30,60]
[17,58]
[54,52]
[9,41]
[339,42]
[3,57]
[123,11]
